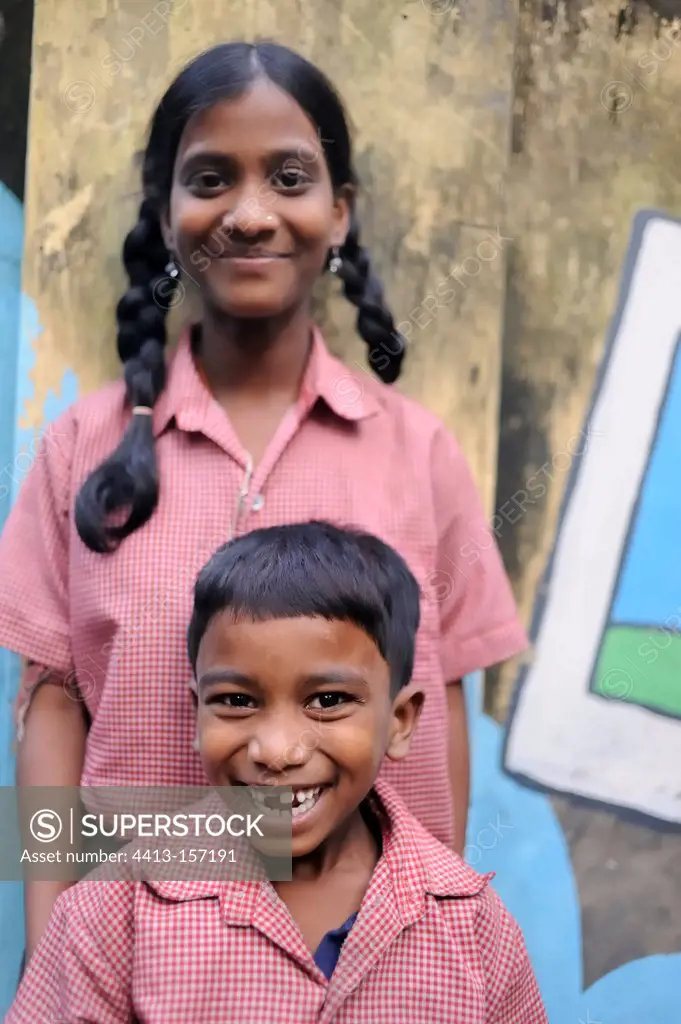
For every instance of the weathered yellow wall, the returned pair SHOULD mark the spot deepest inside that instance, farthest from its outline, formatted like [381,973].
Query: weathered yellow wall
[429,95]
[594,141]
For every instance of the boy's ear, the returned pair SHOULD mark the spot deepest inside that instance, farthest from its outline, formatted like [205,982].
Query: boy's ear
[406,711]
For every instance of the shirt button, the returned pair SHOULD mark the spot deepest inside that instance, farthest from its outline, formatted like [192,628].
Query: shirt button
[258,503]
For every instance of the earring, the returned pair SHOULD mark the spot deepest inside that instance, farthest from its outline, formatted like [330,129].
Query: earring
[335,263]
[195,744]
[172,269]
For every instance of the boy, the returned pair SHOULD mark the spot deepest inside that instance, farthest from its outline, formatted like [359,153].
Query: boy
[302,644]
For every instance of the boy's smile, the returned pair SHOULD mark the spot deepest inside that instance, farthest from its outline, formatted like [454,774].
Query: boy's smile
[303,706]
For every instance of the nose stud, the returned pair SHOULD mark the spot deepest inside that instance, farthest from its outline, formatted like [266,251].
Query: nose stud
[229,218]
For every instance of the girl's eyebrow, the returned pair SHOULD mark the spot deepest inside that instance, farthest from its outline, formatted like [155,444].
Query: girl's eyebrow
[305,152]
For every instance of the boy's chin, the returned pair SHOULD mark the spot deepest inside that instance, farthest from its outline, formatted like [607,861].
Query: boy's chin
[286,848]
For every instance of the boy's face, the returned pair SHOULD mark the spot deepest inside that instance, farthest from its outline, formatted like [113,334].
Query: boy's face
[302,703]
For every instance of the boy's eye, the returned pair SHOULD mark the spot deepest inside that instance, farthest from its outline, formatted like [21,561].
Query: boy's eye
[290,176]
[329,701]
[232,700]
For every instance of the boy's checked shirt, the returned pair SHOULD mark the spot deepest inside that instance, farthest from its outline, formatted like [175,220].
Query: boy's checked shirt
[432,943]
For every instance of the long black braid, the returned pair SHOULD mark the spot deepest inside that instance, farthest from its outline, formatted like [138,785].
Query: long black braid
[375,324]
[127,481]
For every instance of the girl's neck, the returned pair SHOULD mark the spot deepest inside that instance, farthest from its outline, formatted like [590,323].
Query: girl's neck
[260,357]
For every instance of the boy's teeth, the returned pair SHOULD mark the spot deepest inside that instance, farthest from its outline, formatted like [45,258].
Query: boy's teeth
[302,796]
[296,801]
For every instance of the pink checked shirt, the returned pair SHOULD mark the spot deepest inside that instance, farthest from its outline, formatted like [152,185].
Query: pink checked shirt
[352,451]
[432,942]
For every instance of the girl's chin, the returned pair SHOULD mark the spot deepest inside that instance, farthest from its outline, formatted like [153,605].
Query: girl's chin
[252,310]
[250,300]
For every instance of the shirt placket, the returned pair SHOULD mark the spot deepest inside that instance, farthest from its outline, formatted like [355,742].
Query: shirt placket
[241,498]
[256,478]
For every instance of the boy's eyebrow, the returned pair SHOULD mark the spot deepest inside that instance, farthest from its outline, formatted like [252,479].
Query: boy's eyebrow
[223,675]
[348,675]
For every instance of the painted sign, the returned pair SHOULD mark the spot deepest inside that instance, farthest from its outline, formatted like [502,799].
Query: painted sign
[597,713]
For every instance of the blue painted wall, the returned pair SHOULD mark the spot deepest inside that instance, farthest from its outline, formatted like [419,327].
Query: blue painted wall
[11,241]
[19,327]
[514,831]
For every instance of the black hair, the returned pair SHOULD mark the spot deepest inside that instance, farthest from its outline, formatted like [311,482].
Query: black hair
[314,569]
[125,486]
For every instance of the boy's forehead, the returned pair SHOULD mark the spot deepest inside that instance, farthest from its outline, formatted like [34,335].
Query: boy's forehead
[299,645]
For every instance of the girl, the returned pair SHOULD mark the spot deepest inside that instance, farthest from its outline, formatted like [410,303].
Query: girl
[249,196]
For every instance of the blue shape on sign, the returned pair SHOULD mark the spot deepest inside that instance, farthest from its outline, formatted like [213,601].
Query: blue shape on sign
[649,587]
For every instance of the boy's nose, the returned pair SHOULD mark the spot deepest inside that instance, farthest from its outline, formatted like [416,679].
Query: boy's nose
[277,747]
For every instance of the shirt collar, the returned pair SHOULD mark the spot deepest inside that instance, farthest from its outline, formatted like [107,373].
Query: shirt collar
[416,863]
[186,399]
[419,862]
[351,396]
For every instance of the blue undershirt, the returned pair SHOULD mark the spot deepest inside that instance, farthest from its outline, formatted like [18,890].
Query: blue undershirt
[328,950]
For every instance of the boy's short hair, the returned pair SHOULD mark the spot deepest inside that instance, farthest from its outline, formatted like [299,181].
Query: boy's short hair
[314,569]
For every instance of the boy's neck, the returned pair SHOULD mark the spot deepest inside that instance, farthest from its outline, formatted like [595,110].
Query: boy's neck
[350,848]
[353,849]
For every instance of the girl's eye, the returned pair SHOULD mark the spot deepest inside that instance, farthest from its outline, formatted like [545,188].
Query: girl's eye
[234,701]
[290,177]
[207,181]
[329,701]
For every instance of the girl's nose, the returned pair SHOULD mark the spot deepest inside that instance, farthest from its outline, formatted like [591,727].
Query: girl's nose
[249,218]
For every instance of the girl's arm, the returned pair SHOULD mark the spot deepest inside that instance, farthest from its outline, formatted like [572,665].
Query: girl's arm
[459,761]
[479,625]
[51,752]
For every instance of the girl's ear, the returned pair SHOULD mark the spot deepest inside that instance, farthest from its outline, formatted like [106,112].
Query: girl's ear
[166,231]
[406,711]
[342,212]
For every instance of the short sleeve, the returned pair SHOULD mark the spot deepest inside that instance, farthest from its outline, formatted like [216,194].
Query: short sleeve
[479,622]
[34,554]
[513,995]
[81,970]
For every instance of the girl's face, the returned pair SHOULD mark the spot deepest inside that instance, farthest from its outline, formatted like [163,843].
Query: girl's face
[252,211]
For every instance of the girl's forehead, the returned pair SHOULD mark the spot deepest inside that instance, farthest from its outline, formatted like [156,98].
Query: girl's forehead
[265,118]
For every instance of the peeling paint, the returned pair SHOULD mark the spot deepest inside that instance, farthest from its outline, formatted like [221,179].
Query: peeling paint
[62,221]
